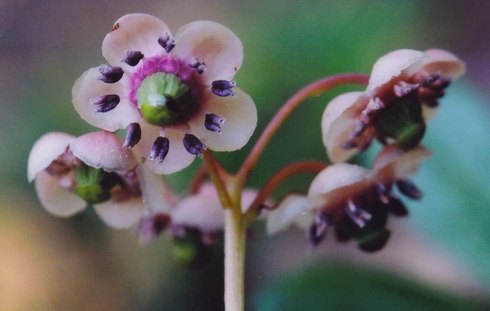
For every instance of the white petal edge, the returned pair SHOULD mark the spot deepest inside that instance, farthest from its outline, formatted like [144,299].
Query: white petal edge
[87,87]
[295,209]
[445,63]
[46,149]
[120,215]
[240,116]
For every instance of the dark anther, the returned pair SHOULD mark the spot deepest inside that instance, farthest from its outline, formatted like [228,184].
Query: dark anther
[348,145]
[133,135]
[397,207]
[409,189]
[223,88]
[213,122]
[133,58]
[106,103]
[193,145]
[110,74]
[166,42]
[199,66]
[159,149]
[318,228]
[358,215]
[403,88]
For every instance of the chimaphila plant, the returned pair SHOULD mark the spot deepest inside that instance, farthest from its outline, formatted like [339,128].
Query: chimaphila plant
[176,98]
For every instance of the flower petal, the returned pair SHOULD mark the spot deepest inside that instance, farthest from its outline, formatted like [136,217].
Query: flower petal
[57,200]
[212,43]
[240,116]
[392,163]
[46,149]
[177,158]
[393,64]
[156,197]
[294,209]
[134,32]
[444,62]
[120,215]
[338,124]
[87,87]
[103,150]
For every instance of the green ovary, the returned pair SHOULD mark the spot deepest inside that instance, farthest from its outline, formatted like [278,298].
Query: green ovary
[92,185]
[164,99]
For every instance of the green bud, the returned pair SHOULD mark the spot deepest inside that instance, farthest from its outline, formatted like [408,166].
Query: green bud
[189,250]
[90,184]
[164,99]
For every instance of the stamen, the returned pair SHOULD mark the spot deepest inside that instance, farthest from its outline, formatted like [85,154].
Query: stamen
[358,215]
[383,193]
[318,228]
[193,145]
[213,122]
[199,66]
[133,135]
[348,145]
[133,58]
[106,103]
[223,88]
[150,227]
[397,207]
[166,42]
[359,129]
[160,148]
[403,88]
[110,74]
[409,189]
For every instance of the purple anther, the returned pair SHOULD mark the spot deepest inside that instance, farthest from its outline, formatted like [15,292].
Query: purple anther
[193,145]
[409,189]
[166,42]
[223,88]
[109,74]
[160,148]
[133,135]
[383,193]
[213,122]
[397,207]
[200,67]
[347,145]
[403,88]
[318,228]
[106,103]
[133,58]
[359,129]
[357,214]
[150,227]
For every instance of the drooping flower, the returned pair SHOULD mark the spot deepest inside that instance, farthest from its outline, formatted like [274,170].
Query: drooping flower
[403,93]
[95,169]
[353,200]
[175,93]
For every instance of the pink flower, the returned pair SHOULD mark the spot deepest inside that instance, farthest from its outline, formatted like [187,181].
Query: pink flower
[353,200]
[174,92]
[403,93]
[94,169]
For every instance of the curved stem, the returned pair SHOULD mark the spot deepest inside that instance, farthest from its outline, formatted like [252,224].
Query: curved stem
[312,89]
[216,173]
[275,180]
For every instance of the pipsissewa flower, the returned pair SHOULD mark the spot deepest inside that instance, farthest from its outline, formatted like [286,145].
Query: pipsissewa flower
[403,93]
[176,93]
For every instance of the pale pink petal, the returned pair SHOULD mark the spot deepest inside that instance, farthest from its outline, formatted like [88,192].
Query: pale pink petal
[394,64]
[294,209]
[338,124]
[156,196]
[337,183]
[240,116]
[103,150]
[444,62]
[212,43]
[87,87]
[177,158]
[393,163]
[59,201]
[46,149]
[134,32]
[120,215]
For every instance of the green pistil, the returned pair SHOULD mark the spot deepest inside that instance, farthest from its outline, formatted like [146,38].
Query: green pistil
[90,186]
[164,99]
[402,121]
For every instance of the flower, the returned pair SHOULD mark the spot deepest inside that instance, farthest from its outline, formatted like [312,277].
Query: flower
[353,200]
[175,93]
[402,94]
[94,169]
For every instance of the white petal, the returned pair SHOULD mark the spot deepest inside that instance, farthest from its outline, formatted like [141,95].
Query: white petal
[120,215]
[87,87]
[134,32]
[55,199]
[294,209]
[212,43]
[394,64]
[240,116]
[444,62]
[45,150]
[103,150]
[156,196]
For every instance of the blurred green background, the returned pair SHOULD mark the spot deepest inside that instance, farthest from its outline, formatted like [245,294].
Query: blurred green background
[438,259]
